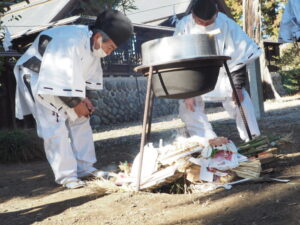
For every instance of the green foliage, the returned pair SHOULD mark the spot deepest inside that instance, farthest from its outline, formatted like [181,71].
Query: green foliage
[20,146]
[236,7]
[291,80]
[289,62]
[271,17]
[289,56]
[290,68]
[126,5]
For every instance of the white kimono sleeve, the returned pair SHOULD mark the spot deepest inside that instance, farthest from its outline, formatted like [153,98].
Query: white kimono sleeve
[240,47]
[61,72]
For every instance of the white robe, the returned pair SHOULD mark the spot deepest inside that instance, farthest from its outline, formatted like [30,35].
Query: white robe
[233,42]
[290,23]
[67,68]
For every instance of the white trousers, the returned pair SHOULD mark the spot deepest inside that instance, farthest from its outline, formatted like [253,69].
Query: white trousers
[197,122]
[69,145]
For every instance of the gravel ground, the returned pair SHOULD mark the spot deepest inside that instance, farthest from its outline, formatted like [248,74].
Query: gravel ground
[28,194]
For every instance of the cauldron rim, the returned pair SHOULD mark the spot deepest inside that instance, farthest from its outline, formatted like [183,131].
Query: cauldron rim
[199,59]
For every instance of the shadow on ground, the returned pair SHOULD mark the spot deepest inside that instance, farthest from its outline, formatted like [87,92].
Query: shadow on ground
[277,208]
[40,213]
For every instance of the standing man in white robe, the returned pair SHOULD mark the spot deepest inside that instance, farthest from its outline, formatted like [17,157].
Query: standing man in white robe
[52,78]
[290,23]
[233,42]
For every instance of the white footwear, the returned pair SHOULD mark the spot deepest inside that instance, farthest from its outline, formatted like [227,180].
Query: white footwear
[73,184]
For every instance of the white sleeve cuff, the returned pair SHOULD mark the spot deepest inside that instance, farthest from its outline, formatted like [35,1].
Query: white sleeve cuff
[71,113]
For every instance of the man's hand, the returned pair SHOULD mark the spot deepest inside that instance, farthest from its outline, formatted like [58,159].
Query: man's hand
[190,104]
[240,95]
[82,109]
[218,141]
[89,105]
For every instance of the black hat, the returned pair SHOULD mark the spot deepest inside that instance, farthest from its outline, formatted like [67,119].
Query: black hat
[115,24]
[204,9]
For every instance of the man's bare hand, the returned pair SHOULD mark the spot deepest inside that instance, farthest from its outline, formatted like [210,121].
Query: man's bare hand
[240,95]
[218,141]
[82,110]
[89,105]
[190,104]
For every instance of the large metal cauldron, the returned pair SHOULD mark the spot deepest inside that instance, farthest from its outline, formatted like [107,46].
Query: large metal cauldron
[184,66]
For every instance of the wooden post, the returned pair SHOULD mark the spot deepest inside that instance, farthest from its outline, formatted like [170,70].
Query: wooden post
[254,74]
[251,9]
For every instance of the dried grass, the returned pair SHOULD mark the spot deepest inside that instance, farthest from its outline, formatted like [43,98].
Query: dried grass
[104,187]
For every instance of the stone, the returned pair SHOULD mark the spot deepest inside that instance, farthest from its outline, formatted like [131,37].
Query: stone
[92,94]
[95,103]
[95,120]
[114,111]
[108,85]
[120,85]
[123,101]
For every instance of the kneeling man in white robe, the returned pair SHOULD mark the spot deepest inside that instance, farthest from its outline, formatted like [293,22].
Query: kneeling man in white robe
[233,42]
[53,76]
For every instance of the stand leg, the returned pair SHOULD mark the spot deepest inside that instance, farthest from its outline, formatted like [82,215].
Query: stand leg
[145,122]
[238,102]
[150,116]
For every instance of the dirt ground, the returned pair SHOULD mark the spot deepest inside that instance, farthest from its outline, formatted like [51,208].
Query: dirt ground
[28,194]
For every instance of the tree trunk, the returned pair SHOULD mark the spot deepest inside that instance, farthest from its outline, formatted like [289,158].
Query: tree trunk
[252,9]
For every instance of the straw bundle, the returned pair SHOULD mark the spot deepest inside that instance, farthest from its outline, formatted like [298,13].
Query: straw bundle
[248,169]
[104,187]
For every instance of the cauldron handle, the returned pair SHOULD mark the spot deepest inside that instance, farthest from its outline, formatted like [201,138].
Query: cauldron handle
[145,124]
[238,101]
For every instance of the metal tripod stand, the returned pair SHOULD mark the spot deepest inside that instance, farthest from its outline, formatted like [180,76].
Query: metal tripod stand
[149,99]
